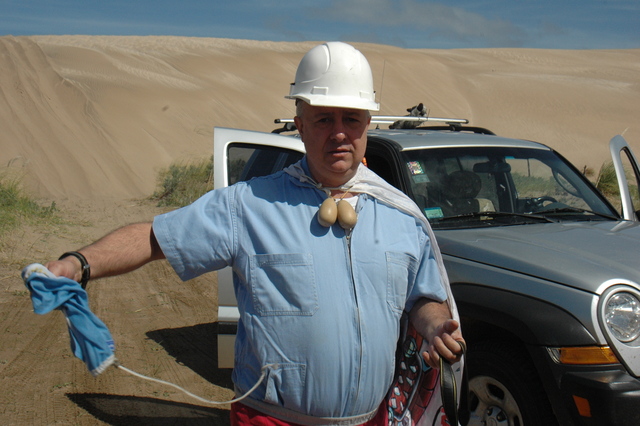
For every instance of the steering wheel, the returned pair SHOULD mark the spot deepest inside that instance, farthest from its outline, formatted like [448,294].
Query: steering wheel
[538,203]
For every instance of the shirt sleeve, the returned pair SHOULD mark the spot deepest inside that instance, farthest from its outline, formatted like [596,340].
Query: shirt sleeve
[198,238]
[429,283]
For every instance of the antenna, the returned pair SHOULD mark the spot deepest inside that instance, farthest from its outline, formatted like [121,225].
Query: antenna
[384,67]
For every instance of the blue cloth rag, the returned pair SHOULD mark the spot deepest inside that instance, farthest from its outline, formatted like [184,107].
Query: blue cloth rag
[91,340]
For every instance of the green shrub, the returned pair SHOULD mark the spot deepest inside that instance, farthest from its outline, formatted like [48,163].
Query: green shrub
[182,184]
[17,208]
[607,183]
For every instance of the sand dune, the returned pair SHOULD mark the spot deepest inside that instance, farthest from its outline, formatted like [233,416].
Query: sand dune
[96,117]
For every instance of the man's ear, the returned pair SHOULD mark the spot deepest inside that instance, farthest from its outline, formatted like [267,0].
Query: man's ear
[299,126]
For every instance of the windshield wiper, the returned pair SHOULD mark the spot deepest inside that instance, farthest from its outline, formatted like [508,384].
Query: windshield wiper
[475,215]
[579,210]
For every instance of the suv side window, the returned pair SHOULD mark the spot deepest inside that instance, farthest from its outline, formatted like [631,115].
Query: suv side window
[246,161]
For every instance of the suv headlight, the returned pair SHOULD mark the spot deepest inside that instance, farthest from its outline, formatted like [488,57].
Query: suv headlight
[619,317]
[622,316]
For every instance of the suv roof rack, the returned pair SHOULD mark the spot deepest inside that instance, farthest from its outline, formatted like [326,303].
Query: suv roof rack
[458,128]
[454,124]
[390,119]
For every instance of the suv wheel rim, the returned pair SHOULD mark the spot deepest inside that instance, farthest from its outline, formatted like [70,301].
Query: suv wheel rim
[492,404]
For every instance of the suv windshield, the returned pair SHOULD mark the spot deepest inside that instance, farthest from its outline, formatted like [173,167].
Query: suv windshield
[487,186]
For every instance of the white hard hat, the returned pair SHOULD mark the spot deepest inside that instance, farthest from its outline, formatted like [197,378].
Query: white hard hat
[335,74]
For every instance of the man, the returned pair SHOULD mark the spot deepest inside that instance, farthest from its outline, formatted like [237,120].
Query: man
[320,303]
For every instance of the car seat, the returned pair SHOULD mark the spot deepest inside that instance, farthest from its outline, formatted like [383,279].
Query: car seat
[460,190]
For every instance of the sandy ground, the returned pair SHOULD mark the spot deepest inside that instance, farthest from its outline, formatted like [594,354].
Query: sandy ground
[89,121]
[162,328]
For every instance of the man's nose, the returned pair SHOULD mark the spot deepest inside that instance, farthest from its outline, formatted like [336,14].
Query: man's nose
[339,132]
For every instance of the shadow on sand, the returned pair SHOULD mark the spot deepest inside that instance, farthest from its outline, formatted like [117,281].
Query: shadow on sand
[193,346]
[197,348]
[133,410]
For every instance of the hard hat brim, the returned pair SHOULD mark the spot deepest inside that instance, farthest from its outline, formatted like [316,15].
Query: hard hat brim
[338,101]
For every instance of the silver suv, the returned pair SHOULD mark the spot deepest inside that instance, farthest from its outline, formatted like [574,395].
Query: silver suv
[544,269]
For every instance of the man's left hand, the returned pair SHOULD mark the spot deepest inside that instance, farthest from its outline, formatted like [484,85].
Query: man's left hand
[444,344]
[433,321]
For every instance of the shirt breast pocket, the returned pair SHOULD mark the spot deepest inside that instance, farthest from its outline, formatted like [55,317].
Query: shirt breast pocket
[283,284]
[401,273]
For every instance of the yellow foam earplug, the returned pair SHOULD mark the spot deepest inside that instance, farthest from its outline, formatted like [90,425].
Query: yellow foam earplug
[328,213]
[347,216]
[343,212]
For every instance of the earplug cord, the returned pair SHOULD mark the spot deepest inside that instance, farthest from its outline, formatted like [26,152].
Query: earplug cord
[206,401]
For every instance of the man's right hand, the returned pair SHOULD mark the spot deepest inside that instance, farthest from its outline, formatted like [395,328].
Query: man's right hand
[69,267]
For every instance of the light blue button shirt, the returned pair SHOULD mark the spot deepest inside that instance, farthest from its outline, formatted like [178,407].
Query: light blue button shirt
[322,305]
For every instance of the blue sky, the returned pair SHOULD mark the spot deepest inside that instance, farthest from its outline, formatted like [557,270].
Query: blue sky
[549,24]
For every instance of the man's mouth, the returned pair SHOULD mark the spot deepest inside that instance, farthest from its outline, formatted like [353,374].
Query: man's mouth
[340,151]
